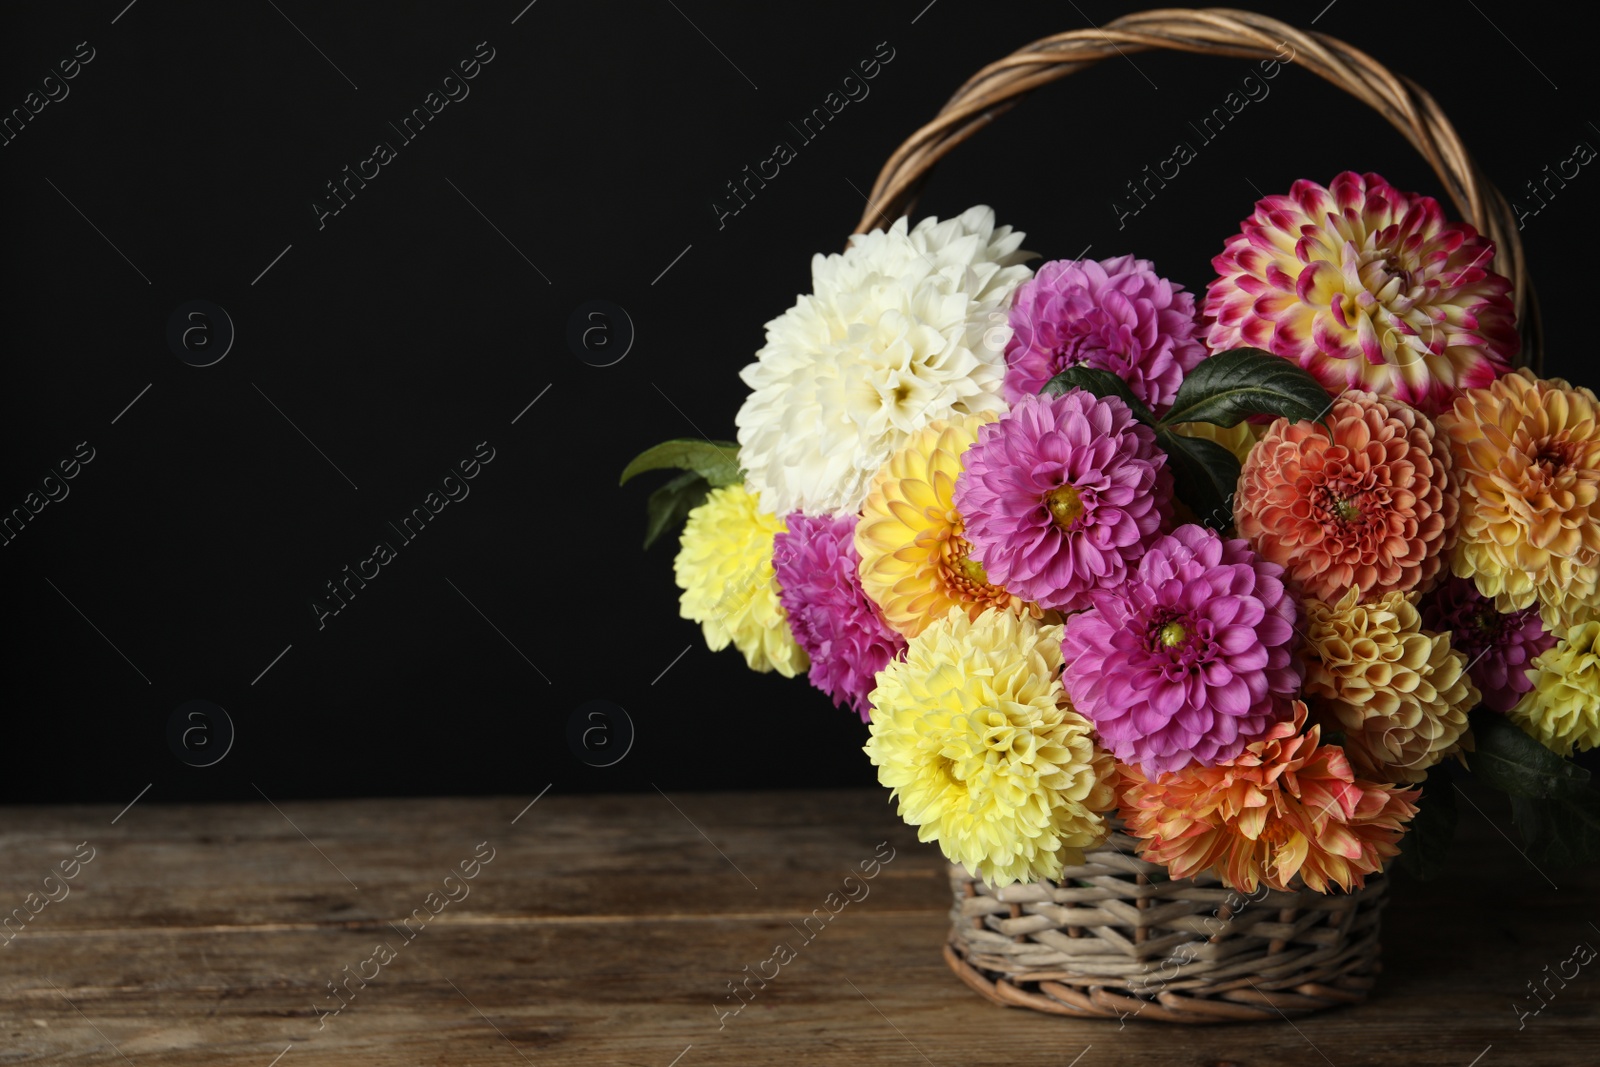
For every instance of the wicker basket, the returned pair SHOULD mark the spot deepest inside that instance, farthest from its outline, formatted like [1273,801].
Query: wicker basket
[1117,937]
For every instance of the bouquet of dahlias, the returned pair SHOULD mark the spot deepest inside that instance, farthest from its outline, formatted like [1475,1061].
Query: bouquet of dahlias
[1252,577]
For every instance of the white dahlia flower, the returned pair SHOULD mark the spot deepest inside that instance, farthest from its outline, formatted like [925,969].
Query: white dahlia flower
[904,327]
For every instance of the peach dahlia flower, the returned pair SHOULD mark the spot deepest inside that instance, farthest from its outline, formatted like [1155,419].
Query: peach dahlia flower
[1370,504]
[1288,807]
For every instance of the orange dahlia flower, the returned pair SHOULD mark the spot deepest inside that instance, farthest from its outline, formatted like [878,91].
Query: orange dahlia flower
[1287,807]
[1527,452]
[1370,504]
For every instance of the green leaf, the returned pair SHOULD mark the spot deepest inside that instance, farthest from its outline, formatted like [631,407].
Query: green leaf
[1514,763]
[1204,474]
[715,461]
[670,505]
[1428,836]
[1562,831]
[1100,383]
[1232,386]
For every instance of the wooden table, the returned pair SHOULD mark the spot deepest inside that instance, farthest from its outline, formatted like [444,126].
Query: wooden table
[605,930]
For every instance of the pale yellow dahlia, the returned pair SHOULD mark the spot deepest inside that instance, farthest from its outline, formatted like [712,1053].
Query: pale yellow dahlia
[973,733]
[1562,709]
[915,563]
[1399,694]
[724,568]
[1527,456]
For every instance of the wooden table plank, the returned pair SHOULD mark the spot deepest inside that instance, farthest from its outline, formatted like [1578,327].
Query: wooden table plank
[605,931]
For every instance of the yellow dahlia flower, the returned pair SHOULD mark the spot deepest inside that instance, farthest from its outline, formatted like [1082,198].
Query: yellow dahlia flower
[915,563]
[1527,454]
[1399,694]
[724,568]
[1562,710]
[973,734]
[1238,439]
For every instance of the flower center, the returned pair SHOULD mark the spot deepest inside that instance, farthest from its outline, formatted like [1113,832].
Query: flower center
[1341,504]
[972,570]
[1552,457]
[1382,269]
[1095,332]
[1395,270]
[1173,634]
[965,577]
[1487,622]
[1065,505]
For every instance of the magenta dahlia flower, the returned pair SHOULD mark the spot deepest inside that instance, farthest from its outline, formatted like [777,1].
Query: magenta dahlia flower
[1061,496]
[1499,647]
[1367,288]
[1191,659]
[816,567]
[1116,315]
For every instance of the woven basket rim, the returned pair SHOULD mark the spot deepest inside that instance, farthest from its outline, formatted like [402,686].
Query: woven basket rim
[1227,32]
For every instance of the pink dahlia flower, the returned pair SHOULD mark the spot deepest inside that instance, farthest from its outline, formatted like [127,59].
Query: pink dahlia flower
[1190,660]
[1061,496]
[817,567]
[1499,648]
[1116,315]
[1367,288]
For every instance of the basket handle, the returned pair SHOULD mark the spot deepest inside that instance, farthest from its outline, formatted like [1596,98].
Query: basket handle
[1220,32]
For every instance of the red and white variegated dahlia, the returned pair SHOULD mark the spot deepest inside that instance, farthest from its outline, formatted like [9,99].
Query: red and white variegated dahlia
[1367,288]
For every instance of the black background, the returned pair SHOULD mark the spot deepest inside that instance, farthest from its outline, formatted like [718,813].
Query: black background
[407,330]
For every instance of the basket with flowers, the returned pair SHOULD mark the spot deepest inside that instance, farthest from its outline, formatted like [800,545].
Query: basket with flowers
[1170,615]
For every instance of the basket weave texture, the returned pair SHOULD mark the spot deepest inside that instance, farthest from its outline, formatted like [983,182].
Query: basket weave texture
[1118,938]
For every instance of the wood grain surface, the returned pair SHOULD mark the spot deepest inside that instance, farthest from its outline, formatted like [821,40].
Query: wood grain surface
[606,930]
